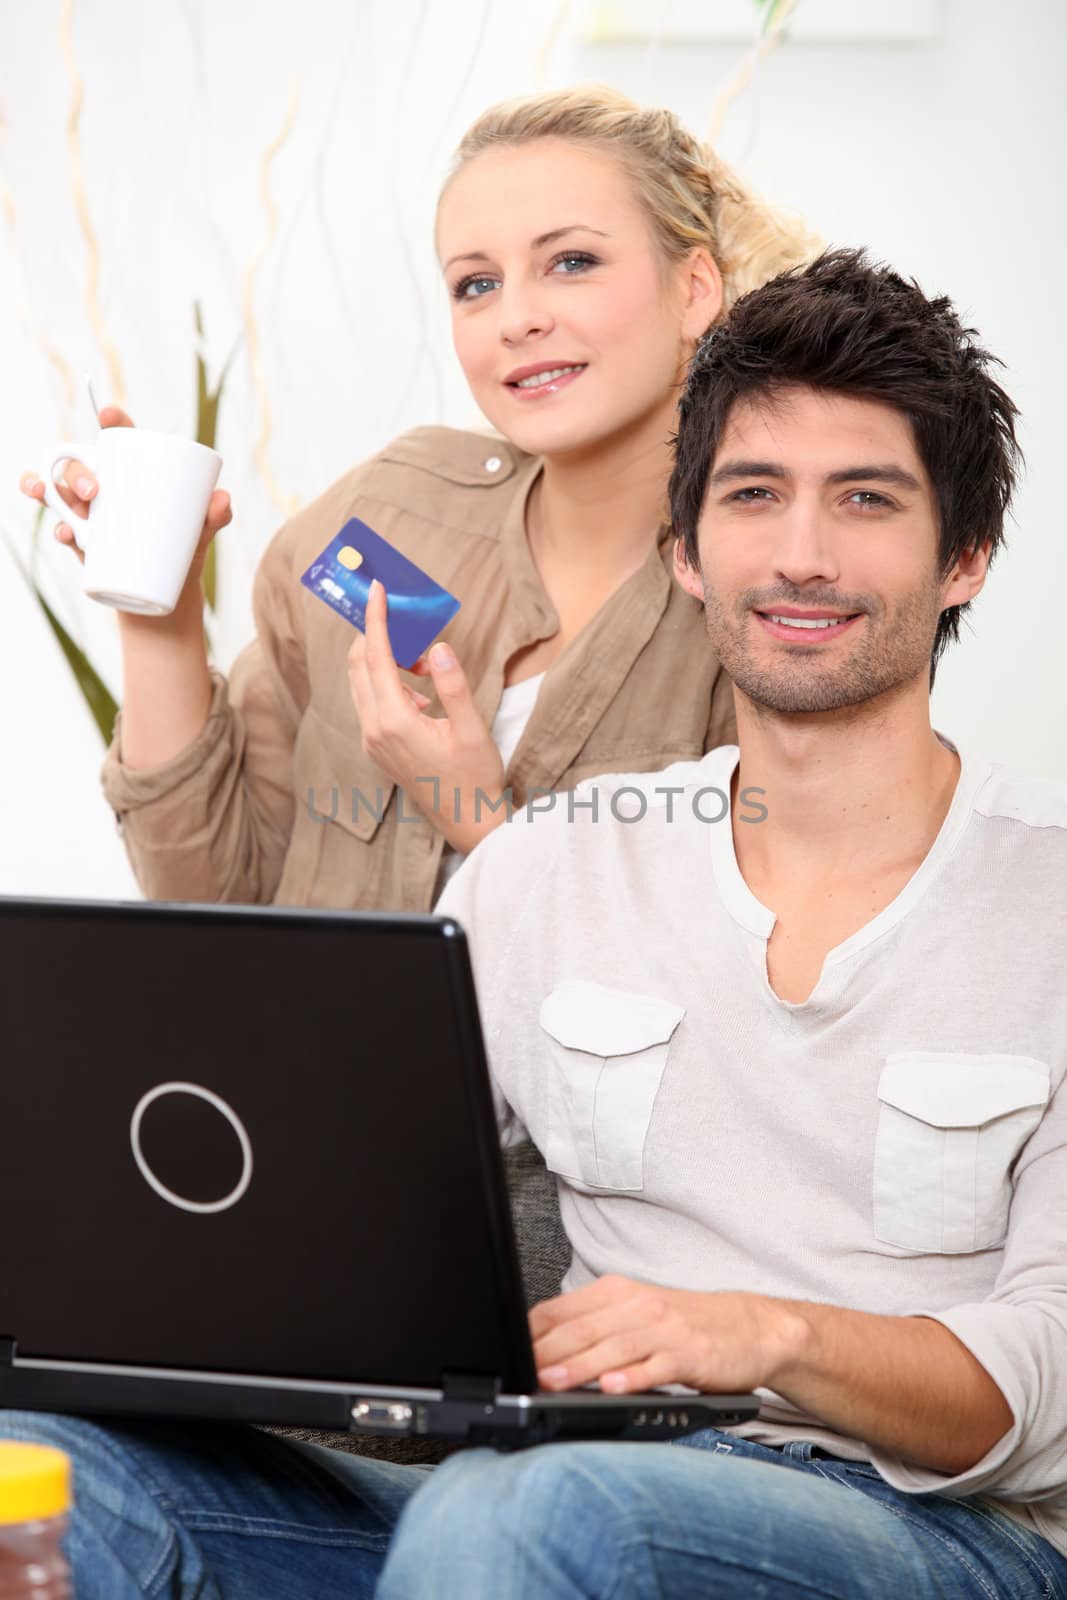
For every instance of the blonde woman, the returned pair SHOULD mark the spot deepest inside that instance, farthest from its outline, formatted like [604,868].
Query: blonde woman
[586,245]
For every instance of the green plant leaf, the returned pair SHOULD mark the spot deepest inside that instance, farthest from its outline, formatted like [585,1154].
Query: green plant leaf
[207,419]
[95,692]
[769,8]
[211,576]
[207,405]
[207,422]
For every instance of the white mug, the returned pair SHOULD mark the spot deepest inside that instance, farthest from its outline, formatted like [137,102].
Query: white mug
[146,517]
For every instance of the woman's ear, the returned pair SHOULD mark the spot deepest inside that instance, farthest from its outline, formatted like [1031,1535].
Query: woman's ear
[703,293]
[688,576]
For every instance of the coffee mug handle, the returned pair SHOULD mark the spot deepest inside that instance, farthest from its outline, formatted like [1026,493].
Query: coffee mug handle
[52,497]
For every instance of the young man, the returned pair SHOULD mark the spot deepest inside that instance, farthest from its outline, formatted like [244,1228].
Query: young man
[790,1026]
[796,1070]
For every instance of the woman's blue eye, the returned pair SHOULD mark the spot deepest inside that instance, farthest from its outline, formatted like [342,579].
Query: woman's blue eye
[580,256]
[460,291]
[579,259]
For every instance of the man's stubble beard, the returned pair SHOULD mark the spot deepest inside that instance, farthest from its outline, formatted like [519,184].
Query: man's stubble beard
[893,650]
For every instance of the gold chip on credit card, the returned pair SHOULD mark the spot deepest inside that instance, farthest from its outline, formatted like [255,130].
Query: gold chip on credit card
[350,557]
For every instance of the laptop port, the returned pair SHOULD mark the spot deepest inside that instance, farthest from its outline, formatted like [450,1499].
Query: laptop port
[382,1414]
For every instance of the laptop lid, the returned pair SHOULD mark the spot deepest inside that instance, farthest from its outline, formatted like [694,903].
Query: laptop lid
[251,1139]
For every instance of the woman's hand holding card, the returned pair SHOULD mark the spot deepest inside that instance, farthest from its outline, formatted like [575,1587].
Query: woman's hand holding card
[448,766]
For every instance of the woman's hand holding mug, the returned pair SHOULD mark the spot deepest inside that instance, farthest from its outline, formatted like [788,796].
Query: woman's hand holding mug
[147,539]
[167,686]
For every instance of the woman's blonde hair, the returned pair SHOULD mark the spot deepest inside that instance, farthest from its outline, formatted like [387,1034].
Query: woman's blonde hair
[691,197]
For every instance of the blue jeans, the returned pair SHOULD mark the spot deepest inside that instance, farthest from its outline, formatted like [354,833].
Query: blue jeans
[212,1513]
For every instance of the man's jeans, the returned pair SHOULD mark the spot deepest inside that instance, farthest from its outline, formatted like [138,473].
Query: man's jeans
[231,1514]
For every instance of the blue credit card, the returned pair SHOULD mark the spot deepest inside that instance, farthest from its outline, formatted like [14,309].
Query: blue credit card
[342,576]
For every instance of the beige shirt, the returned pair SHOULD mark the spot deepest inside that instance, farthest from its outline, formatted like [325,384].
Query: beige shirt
[276,801]
[896,1143]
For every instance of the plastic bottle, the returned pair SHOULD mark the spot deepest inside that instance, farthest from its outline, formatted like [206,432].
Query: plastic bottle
[34,1502]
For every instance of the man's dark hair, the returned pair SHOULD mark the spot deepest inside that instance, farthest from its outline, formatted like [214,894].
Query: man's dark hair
[850,327]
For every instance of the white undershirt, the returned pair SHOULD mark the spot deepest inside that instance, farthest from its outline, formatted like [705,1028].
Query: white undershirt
[516,707]
[509,725]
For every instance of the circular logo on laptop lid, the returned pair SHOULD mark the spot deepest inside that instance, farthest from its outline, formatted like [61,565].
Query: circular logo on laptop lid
[191,1147]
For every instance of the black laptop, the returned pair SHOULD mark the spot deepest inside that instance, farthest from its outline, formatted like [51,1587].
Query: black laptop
[249,1169]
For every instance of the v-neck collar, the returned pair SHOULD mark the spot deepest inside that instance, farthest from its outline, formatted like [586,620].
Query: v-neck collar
[758,919]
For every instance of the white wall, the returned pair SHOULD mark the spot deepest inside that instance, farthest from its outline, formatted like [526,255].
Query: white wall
[941,155]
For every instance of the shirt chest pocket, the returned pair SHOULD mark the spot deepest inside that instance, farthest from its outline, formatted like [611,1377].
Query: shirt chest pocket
[949,1129]
[608,1049]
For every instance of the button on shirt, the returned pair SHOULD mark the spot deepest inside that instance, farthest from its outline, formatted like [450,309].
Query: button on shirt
[896,1143]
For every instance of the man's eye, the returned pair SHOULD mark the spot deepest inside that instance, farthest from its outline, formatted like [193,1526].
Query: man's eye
[869,500]
[751,496]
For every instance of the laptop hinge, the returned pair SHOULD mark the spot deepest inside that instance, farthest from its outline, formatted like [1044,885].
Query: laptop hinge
[7,1350]
[470,1388]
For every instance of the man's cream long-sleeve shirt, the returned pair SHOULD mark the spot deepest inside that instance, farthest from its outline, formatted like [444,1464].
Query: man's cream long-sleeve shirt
[897,1143]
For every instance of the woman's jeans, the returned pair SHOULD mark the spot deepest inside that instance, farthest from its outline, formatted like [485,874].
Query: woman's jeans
[229,1513]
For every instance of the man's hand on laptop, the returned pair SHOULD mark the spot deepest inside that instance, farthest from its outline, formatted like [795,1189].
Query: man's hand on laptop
[903,1383]
[632,1336]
